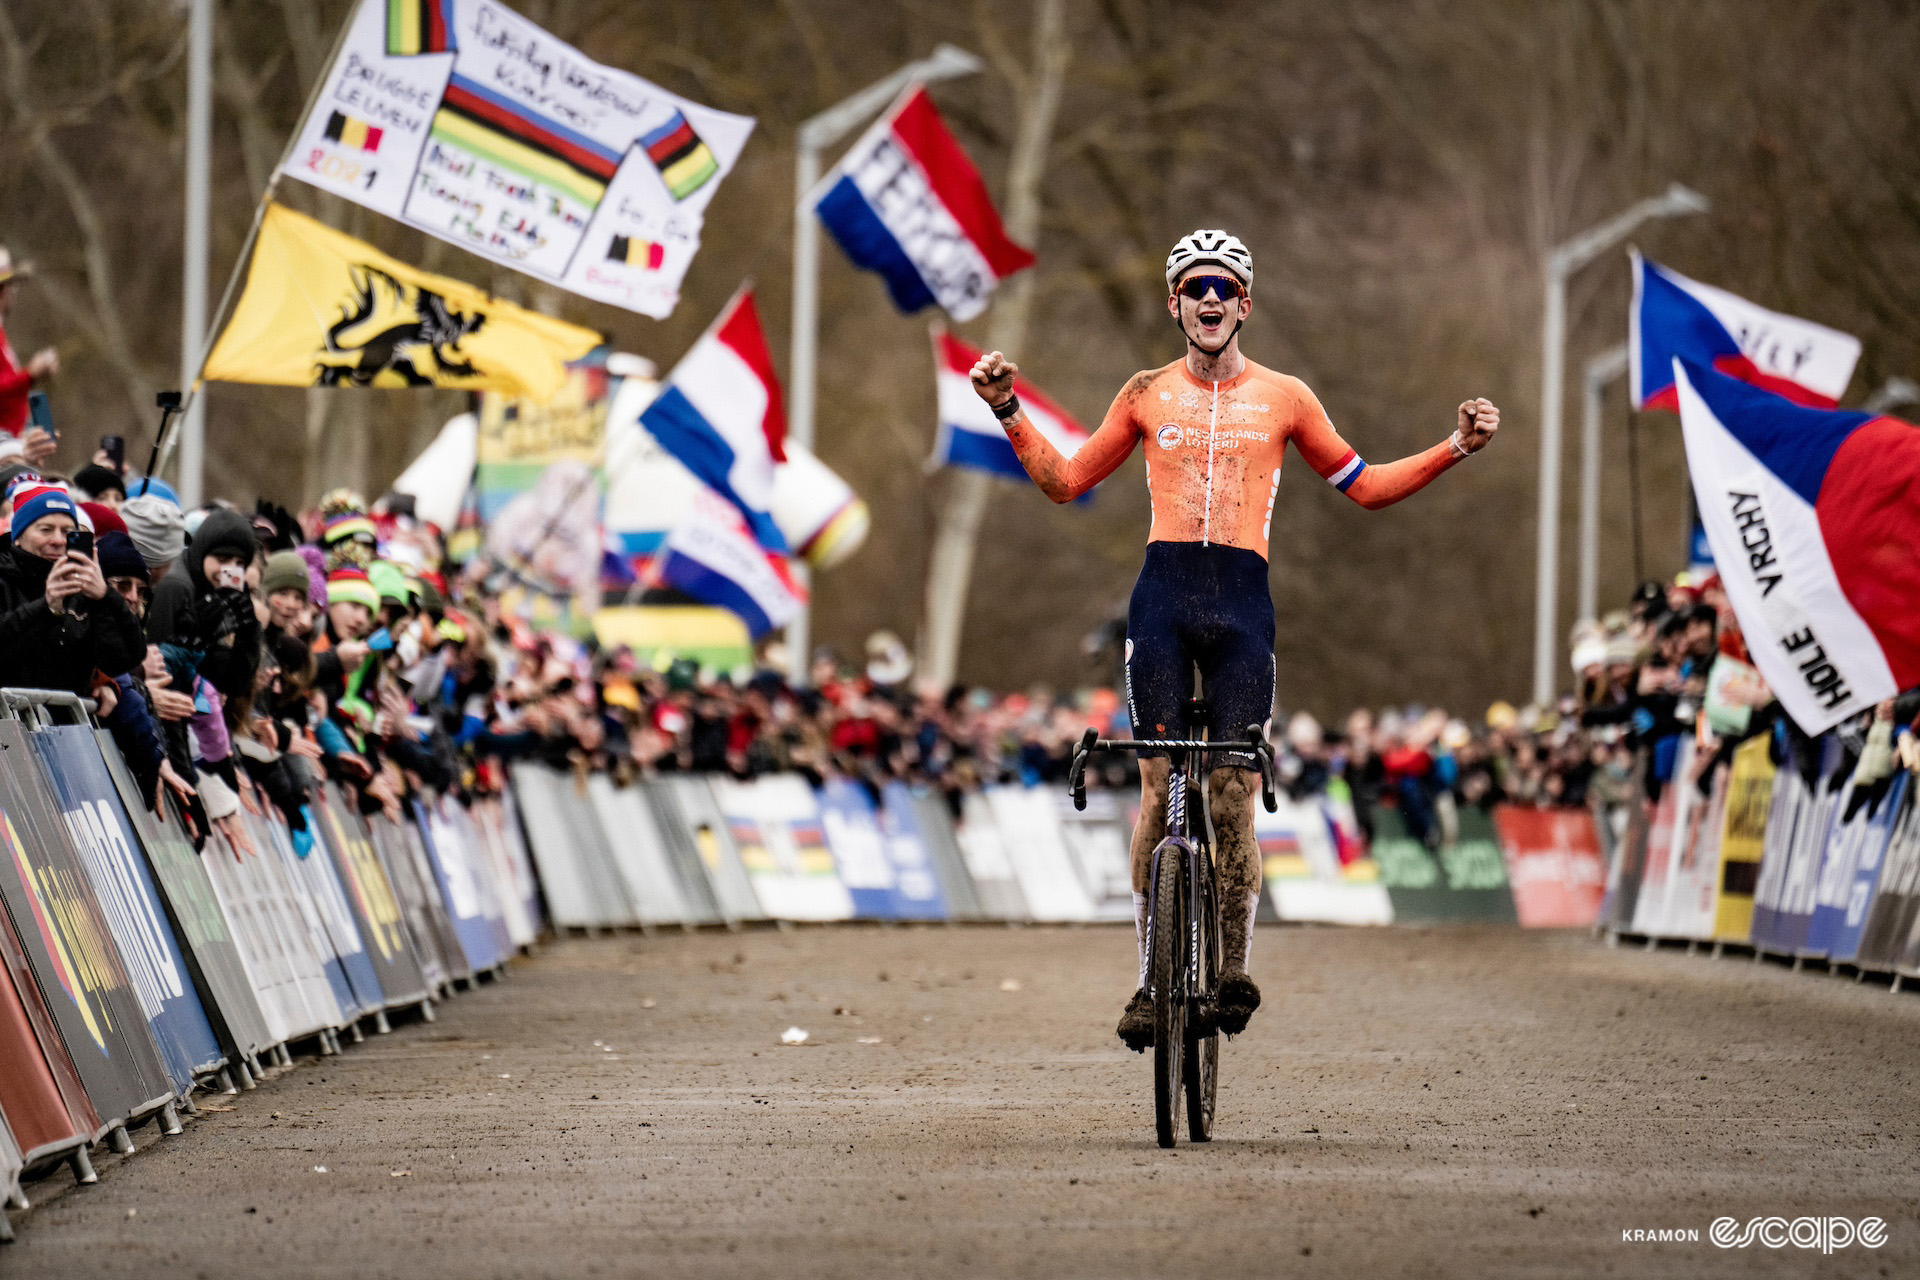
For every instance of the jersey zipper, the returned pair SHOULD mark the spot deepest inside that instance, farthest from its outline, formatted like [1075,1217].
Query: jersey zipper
[1213,424]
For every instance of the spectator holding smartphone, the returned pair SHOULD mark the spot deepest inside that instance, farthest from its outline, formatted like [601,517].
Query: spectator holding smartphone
[17,380]
[58,621]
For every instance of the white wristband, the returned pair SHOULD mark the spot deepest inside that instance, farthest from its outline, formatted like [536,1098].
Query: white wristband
[1459,450]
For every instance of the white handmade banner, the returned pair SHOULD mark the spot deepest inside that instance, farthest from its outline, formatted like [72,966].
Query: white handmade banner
[465,120]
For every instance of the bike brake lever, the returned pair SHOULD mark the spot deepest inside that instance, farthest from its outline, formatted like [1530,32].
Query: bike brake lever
[1263,755]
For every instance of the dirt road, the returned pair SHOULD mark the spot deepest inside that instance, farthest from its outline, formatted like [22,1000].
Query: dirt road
[1472,1102]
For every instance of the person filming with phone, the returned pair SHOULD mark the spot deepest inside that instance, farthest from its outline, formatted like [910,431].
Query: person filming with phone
[33,442]
[59,623]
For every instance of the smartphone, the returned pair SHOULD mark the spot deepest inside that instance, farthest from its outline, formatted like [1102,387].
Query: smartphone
[115,447]
[40,413]
[231,576]
[80,540]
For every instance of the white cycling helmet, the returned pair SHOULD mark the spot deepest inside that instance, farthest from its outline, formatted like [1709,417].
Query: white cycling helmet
[1217,247]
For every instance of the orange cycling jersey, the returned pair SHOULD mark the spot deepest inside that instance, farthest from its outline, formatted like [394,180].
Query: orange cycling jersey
[1214,452]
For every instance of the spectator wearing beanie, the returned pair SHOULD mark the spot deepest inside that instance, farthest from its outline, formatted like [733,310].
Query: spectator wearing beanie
[158,530]
[124,569]
[59,622]
[197,613]
[101,484]
[288,587]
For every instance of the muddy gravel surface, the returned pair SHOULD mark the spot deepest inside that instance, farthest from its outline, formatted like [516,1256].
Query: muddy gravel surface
[1409,1102]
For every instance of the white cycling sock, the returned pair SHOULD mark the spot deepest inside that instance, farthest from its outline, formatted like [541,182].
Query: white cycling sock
[1253,912]
[1140,934]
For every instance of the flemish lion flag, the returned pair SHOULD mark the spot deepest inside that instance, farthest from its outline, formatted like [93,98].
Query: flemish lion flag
[322,309]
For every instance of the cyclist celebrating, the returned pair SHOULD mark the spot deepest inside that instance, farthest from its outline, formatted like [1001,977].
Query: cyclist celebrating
[1215,426]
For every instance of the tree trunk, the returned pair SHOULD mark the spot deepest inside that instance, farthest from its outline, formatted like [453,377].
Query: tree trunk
[950,566]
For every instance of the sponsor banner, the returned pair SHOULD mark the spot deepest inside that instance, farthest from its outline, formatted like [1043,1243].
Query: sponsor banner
[462,118]
[1099,838]
[1301,867]
[440,912]
[583,886]
[640,853]
[919,887]
[493,894]
[702,848]
[461,884]
[1029,825]
[1856,854]
[1671,814]
[935,820]
[194,912]
[780,837]
[417,900]
[987,862]
[1796,841]
[1743,838]
[276,935]
[1630,856]
[1895,908]
[1553,865]
[1466,881]
[1693,879]
[40,1094]
[72,954]
[370,897]
[499,827]
[109,851]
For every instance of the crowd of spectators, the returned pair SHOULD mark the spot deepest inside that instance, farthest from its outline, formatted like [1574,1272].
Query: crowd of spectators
[218,642]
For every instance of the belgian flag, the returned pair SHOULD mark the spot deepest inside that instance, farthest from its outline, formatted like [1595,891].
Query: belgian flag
[684,161]
[637,253]
[419,26]
[349,132]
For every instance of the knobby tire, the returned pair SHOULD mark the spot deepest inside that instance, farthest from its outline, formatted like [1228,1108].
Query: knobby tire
[1201,1067]
[1169,1003]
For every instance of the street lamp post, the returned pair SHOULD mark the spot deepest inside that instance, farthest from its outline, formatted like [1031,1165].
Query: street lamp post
[1601,370]
[193,287]
[816,135]
[1562,262]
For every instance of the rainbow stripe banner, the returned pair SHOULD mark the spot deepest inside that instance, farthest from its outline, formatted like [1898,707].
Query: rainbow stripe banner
[419,26]
[684,161]
[531,145]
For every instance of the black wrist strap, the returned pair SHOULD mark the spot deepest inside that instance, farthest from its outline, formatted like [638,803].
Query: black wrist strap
[1007,408]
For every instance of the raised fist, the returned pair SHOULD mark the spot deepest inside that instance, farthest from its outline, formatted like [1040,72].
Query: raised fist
[993,376]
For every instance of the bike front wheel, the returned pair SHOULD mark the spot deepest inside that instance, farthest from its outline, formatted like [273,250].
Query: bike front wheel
[1169,994]
[1201,1067]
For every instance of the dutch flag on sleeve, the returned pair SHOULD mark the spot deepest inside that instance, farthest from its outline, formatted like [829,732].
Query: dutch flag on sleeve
[1677,318]
[1814,520]
[908,203]
[720,414]
[970,436]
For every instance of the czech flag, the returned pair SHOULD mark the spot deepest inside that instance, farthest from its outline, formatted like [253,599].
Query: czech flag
[711,556]
[970,436]
[1814,518]
[908,203]
[720,415]
[1677,318]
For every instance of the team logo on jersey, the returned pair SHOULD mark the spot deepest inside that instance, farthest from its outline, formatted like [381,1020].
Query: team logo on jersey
[1167,436]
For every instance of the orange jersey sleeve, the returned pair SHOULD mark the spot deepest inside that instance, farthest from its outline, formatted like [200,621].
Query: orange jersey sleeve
[1063,479]
[1336,462]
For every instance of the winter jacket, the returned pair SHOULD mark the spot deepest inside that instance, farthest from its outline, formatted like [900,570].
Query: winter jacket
[41,649]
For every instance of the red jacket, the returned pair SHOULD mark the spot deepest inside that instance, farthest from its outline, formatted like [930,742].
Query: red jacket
[15,382]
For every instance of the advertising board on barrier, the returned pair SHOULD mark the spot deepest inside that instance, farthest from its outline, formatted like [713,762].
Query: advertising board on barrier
[1553,865]
[498,829]
[1693,878]
[702,847]
[1671,814]
[1029,824]
[1896,906]
[863,831]
[1300,865]
[194,912]
[275,940]
[439,912]
[417,899]
[370,898]
[1467,880]
[775,825]
[39,1091]
[1099,839]
[580,892]
[988,865]
[70,950]
[1796,841]
[466,893]
[1848,885]
[1743,838]
[315,889]
[640,853]
[103,837]
[935,821]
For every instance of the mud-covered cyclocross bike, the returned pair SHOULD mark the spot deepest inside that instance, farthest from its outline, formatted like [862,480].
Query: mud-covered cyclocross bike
[1183,917]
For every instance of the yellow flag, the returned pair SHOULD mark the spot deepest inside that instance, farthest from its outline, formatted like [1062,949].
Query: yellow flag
[322,309]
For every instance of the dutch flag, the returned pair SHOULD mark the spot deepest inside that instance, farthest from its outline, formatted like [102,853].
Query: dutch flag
[1814,519]
[1677,318]
[711,556]
[720,415]
[908,203]
[970,436]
